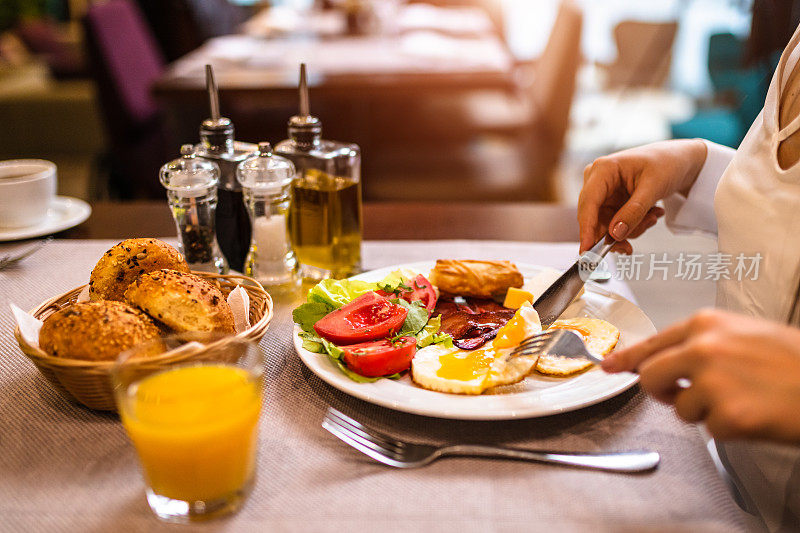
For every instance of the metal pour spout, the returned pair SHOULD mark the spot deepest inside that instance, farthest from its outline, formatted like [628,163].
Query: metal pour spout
[304,128]
[303,87]
[213,93]
[216,132]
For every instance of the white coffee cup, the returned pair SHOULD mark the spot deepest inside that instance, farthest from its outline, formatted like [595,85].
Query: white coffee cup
[27,187]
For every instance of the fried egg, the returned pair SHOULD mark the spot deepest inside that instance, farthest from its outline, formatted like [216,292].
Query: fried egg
[460,371]
[599,336]
[473,371]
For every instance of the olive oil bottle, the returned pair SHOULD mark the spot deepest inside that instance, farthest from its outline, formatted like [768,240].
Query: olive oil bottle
[325,210]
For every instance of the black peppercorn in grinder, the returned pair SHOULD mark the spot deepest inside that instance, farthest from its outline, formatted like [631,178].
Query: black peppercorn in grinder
[217,144]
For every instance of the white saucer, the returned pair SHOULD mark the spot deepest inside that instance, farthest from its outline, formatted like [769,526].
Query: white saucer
[65,212]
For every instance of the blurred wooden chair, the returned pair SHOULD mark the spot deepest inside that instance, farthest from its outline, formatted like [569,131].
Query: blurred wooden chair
[644,54]
[488,145]
[125,61]
[181,26]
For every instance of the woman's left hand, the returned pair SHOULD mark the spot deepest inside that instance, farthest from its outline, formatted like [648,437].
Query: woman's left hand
[744,374]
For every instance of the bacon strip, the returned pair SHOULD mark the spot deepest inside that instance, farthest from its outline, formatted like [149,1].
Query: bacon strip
[472,322]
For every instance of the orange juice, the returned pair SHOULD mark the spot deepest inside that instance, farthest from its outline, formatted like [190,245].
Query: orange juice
[195,429]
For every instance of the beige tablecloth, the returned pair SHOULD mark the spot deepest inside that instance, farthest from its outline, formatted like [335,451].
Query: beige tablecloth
[65,468]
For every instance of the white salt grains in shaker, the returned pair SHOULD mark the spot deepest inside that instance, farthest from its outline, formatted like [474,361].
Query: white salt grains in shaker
[266,181]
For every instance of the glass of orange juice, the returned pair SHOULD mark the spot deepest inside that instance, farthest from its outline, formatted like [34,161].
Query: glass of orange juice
[192,415]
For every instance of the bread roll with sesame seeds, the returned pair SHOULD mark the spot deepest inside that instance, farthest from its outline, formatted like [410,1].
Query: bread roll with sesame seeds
[96,331]
[126,261]
[182,301]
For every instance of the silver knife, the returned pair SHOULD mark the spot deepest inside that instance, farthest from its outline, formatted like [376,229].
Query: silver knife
[560,294]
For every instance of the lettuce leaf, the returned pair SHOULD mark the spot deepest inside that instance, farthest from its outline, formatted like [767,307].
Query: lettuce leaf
[338,292]
[430,334]
[312,342]
[394,283]
[326,296]
[415,320]
[307,314]
[442,338]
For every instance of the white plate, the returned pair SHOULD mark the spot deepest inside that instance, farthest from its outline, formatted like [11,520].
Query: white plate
[535,396]
[65,212]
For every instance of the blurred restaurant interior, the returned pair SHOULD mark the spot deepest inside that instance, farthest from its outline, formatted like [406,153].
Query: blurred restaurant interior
[502,100]
[475,120]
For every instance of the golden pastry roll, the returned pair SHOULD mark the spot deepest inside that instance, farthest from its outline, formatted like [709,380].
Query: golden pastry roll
[480,279]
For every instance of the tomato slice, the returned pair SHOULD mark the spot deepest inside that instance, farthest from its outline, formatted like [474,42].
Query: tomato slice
[380,358]
[368,317]
[421,290]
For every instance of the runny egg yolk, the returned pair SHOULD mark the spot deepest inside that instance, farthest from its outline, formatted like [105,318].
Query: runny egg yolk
[465,366]
[583,332]
[511,334]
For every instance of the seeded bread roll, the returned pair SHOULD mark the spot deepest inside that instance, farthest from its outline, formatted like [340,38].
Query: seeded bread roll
[182,301]
[126,261]
[95,331]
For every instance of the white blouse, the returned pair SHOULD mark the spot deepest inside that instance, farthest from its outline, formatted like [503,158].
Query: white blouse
[757,207]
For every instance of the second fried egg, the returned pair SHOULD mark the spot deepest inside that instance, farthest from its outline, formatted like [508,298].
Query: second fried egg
[599,336]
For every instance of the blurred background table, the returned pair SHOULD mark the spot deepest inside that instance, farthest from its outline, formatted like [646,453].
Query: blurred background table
[438,103]
[373,66]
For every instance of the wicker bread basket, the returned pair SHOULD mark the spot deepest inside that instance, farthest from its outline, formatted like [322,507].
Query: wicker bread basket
[89,382]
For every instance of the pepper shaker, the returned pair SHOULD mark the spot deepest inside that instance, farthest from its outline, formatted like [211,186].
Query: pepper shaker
[217,144]
[266,181]
[191,185]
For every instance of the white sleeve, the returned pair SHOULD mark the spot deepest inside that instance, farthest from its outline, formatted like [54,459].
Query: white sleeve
[695,212]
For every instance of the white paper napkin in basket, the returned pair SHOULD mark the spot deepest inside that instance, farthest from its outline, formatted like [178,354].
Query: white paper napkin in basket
[239,301]
[29,325]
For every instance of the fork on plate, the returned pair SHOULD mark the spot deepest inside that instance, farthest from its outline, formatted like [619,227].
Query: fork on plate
[561,342]
[402,454]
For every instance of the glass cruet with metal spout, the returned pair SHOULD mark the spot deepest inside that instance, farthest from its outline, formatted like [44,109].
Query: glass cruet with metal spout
[191,184]
[266,181]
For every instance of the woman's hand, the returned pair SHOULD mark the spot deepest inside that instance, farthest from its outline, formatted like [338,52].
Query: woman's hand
[620,190]
[744,374]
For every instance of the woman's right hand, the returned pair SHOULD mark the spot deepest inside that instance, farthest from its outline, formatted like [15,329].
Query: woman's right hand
[738,374]
[620,190]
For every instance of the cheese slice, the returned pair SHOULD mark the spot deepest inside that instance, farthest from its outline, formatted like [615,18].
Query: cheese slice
[516,297]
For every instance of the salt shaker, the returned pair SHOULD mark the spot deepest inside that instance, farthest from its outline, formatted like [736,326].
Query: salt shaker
[266,181]
[191,184]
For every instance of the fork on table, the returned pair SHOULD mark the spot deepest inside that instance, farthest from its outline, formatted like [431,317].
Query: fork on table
[10,259]
[403,454]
